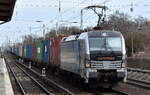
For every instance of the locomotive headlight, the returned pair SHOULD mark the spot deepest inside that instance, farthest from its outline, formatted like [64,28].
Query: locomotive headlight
[87,65]
[104,34]
[123,65]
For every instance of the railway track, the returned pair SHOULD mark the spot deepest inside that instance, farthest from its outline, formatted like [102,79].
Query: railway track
[49,83]
[121,92]
[139,77]
[104,91]
[27,84]
[93,91]
[68,91]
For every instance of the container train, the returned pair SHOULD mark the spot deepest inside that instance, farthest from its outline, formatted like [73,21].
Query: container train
[98,55]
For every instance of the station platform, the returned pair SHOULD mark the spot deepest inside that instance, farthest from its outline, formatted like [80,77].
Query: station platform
[5,84]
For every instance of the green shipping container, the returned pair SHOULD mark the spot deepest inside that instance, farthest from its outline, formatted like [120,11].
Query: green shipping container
[39,51]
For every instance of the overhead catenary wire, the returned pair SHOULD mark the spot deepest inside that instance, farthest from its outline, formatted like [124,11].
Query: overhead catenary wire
[68,10]
[48,5]
[82,2]
[78,4]
[120,7]
[129,5]
[63,12]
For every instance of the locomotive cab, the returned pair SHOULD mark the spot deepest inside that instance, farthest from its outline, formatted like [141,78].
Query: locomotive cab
[105,56]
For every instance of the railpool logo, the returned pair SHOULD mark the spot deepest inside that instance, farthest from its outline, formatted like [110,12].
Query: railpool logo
[105,58]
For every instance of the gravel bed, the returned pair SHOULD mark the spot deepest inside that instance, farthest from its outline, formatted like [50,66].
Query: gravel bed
[139,63]
[132,90]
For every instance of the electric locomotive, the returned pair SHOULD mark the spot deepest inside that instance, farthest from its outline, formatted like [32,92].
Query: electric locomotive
[98,55]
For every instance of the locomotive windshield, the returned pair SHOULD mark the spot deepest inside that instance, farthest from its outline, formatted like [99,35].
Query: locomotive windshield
[105,44]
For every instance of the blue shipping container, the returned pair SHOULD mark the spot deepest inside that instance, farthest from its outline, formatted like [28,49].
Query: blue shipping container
[29,51]
[46,50]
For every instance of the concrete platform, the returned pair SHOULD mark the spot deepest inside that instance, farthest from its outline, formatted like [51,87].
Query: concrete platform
[5,84]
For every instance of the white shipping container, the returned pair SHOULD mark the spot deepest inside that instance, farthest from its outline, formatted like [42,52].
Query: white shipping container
[20,50]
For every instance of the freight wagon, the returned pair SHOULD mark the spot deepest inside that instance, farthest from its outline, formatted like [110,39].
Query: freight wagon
[28,51]
[46,49]
[55,51]
[20,46]
[33,51]
[39,51]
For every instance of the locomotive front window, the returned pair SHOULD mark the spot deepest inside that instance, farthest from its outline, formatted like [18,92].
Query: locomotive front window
[113,44]
[97,44]
[105,44]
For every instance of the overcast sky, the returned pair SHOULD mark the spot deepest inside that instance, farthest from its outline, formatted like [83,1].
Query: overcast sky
[35,13]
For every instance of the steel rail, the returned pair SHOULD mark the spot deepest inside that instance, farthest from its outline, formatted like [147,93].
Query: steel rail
[138,70]
[121,92]
[62,88]
[56,85]
[34,80]
[18,82]
[143,84]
